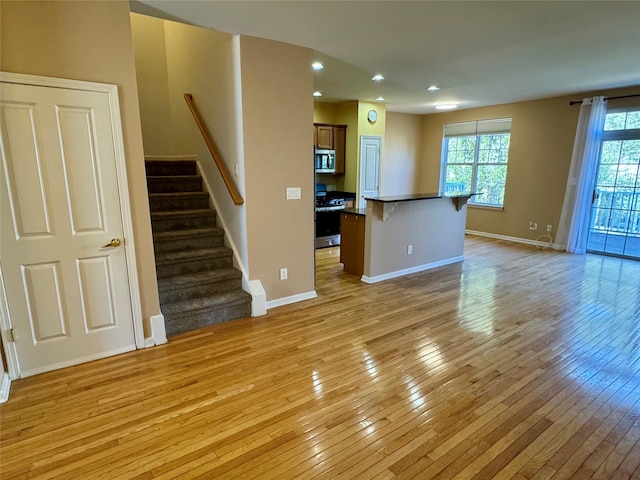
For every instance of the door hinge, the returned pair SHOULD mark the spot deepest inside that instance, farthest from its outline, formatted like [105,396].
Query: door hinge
[12,335]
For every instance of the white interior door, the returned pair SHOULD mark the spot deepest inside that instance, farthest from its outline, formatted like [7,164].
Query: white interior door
[369,167]
[68,294]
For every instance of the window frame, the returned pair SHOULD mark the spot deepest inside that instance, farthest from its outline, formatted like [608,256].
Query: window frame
[476,135]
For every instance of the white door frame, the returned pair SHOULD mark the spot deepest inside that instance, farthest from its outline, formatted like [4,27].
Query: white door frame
[363,138]
[125,209]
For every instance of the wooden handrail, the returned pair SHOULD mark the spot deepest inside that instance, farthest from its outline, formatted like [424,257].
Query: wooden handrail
[215,153]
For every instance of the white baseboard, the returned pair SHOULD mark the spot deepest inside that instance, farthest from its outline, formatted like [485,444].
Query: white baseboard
[158,331]
[258,298]
[5,387]
[510,239]
[278,302]
[407,271]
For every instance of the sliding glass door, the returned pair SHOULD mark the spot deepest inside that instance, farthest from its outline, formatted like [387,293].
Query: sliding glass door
[615,215]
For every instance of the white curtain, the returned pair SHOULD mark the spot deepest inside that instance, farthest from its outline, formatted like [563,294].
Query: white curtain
[576,210]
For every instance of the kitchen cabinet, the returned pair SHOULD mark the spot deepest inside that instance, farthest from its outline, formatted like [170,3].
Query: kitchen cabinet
[332,137]
[340,146]
[352,242]
[324,137]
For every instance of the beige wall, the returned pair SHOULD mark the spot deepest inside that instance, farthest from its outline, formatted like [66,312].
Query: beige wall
[542,138]
[201,62]
[401,154]
[277,111]
[434,228]
[89,41]
[348,115]
[153,84]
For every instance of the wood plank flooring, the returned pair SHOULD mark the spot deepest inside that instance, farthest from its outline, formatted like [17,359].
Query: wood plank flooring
[517,364]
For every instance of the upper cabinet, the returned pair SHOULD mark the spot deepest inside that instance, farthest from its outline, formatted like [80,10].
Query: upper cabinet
[332,137]
[324,137]
[340,146]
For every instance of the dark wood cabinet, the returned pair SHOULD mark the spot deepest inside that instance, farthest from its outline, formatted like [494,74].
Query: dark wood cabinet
[340,146]
[352,242]
[332,137]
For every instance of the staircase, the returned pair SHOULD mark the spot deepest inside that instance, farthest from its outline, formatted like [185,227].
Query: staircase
[197,282]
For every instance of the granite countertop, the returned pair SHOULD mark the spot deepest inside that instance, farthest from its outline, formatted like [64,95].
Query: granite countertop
[355,211]
[418,196]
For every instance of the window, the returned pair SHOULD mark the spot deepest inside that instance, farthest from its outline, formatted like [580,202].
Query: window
[615,214]
[474,159]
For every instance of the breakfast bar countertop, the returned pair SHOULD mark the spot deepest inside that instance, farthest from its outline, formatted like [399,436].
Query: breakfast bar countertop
[418,196]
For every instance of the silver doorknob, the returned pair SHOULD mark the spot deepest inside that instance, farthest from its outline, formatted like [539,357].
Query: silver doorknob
[115,242]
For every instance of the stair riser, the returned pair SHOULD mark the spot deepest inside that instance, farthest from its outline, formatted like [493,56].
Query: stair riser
[170,185]
[176,203]
[200,265]
[200,290]
[191,243]
[185,223]
[188,321]
[156,168]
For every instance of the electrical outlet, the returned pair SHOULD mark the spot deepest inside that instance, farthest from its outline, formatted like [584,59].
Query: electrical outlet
[548,228]
[533,225]
[409,249]
[284,274]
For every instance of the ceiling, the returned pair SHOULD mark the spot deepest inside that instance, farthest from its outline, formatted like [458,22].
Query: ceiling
[478,52]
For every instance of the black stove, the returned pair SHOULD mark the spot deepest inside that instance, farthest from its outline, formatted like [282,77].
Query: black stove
[324,204]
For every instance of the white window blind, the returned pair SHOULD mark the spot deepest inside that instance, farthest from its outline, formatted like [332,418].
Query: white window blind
[479,127]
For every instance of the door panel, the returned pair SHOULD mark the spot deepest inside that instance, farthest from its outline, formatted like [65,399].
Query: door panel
[369,167]
[23,168]
[68,295]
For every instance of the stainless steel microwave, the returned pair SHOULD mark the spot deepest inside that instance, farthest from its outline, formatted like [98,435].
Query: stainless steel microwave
[325,161]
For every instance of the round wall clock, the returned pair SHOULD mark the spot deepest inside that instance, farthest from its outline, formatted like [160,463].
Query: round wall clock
[372,116]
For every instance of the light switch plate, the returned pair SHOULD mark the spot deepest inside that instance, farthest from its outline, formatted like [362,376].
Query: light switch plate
[293,193]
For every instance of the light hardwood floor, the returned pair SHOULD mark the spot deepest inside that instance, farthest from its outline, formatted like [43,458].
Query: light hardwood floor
[517,364]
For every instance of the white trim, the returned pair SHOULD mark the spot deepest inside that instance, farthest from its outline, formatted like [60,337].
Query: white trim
[77,361]
[258,298]
[5,388]
[407,271]
[13,367]
[278,302]
[123,188]
[510,239]
[158,331]
[127,221]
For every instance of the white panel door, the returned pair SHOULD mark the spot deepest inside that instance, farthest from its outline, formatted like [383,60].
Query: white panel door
[369,167]
[68,293]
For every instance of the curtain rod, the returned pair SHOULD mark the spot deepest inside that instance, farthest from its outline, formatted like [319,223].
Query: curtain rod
[575,102]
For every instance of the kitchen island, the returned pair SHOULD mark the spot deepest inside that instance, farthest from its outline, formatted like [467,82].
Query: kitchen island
[404,234]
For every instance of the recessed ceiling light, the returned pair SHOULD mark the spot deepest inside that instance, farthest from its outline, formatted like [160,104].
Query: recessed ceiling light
[317,66]
[446,106]
[377,78]
[380,99]
[433,88]
[317,94]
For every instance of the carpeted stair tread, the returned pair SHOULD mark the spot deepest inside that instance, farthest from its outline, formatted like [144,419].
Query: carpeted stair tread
[179,195]
[177,177]
[190,233]
[208,276]
[181,213]
[212,301]
[197,283]
[195,254]
[170,167]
